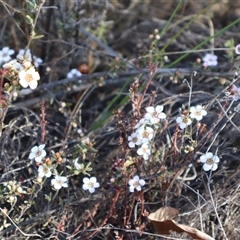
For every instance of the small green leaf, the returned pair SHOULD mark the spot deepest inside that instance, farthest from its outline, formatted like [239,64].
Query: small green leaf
[38,37]
[29,20]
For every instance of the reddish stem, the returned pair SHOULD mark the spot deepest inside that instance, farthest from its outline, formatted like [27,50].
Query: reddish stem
[43,122]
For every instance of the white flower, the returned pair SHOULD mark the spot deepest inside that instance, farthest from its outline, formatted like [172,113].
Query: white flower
[13,65]
[134,140]
[5,54]
[38,153]
[29,78]
[74,73]
[58,182]
[44,171]
[142,122]
[17,67]
[136,183]
[144,151]
[37,61]
[154,114]
[26,64]
[183,121]
[210,60]
[197,112]
[210,161]
[10,64]
[90,184]
[145,134]
[237,49]
[24,55]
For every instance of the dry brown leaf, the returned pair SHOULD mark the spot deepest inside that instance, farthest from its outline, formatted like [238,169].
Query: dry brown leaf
[163,224]
[164,213]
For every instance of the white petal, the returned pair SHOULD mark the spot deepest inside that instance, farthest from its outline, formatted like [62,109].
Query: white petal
[139,151]
[192,109]
[11,52]
[35,75]
[179,119]
[148,116]
[53,181]
[150,109]
[145,156]
[91,190]
[141,182]
[136,178]
[209,155]
[38,159]
[162,115]
[159,108]
[204,112]
[131,144]
[154,120]
[32,155]
[131,189]
[207,167]
[131,181]
[203,158]
[5,49]
[43,153]
[96,185]
[216,159]
[93,180]
[41,174]
[63,179]
[33,84]
[138,188]
[69,75]
[23,83]
[183,125]
[86,180]
[85,187]
[214,167]
[41,147]
[198,117]
[57,186]
[48,174]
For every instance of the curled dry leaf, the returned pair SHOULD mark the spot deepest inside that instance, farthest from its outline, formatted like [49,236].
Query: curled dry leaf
[163,224]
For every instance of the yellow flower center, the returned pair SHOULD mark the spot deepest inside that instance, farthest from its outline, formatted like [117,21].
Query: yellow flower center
[28,77]
[210,161]
[45,170]
[134,139]
[198,113]
[136,184]
[185,119]
[38,153]
[145,134]
[90,185]
[154,114]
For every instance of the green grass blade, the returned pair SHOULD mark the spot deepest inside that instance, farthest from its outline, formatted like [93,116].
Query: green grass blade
[107,113]
[113,105]
[204,42]
[159,55]
[170,19]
